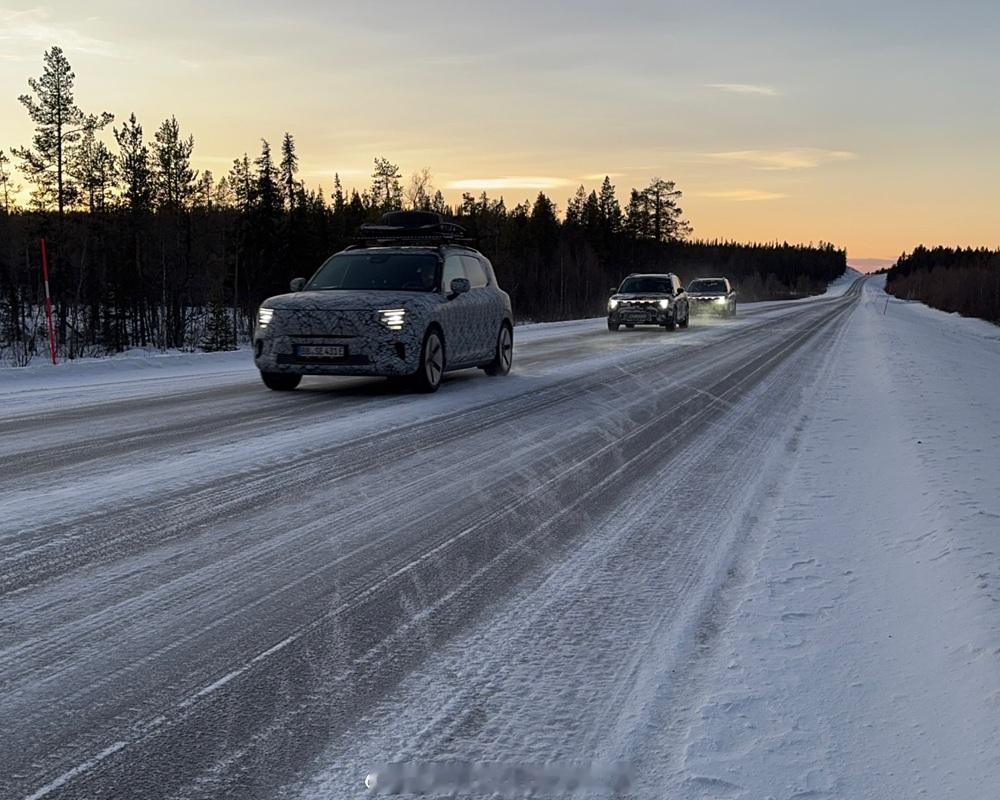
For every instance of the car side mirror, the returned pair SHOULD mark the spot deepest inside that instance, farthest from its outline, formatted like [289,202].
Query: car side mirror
[297,284]
[459,286]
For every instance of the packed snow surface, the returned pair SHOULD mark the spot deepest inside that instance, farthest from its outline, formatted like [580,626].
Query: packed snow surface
[753,559]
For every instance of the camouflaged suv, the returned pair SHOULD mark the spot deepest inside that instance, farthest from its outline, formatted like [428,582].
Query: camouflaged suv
[412,301]
[712,296]
[651,299]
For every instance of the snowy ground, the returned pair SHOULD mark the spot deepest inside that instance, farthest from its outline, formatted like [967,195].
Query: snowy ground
[862,658]
[752,559]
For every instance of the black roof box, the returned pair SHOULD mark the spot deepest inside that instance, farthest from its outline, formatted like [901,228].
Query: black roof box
[410,219]
[408,227]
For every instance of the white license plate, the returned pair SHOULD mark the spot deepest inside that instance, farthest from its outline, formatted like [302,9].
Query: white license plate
[321,350]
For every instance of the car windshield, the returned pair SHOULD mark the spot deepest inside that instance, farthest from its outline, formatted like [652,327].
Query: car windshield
[377,271]
[646,285]
[707,286]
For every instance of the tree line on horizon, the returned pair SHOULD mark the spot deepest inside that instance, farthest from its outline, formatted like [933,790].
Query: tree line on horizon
[145,251]
[966,280]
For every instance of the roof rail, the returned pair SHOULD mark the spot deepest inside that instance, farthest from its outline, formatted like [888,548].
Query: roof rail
[411,227]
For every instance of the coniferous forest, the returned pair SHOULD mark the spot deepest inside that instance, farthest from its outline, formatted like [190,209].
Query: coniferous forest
[146,251]
[952,279]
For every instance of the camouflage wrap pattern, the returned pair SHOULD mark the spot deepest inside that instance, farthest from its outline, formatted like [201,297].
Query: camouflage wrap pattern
[470,324]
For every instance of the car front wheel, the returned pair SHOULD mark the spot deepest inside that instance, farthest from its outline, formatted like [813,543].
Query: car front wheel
[280,381]
[613,326]
[503,358]
[427,378]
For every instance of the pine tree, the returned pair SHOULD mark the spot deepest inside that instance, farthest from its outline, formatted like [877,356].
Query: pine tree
[59,124]
[219,333]
[7,186]
[438,204]
[591,217]
[467,208]
[338,201]
[94,169]
[134,167]
[174,180]
[637,215]
[574,208]
[544,218]
[242,183]
[223,196]
[611,211]
[288,170]
[387,189]
[268,195]
[665,221]
[205,192]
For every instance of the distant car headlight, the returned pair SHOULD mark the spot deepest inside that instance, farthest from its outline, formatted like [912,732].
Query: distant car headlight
[264,316]
[612,304]
[664,303]
[392,318]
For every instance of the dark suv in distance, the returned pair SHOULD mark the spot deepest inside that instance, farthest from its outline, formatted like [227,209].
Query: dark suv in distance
[712,296]
[411,301]
[649,299]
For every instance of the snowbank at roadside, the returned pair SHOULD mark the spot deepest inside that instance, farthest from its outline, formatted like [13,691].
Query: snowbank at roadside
[948,323]
[861,659]
[131,365]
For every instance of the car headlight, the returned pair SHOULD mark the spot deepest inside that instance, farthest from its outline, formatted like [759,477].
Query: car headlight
[264,316]
[664,303]
[612,304]
[720,301]
[392,318]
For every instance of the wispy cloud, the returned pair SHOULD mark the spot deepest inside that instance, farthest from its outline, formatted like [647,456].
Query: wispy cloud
[36,26]
[745,88]
[743,195]
[511,182]
[794,158]
[600,176]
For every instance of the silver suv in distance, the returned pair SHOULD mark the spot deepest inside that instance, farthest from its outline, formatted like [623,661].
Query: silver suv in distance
[652,299]
[712,296]
[412,301]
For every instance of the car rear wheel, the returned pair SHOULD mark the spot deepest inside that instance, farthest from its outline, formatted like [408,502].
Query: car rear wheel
[504,356]
[280,381]
[427,378]
[630,325]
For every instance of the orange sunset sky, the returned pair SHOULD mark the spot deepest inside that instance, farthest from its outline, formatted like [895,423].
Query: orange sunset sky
[870,125]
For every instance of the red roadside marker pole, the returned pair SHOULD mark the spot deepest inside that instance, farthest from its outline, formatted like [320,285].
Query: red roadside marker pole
[48,304]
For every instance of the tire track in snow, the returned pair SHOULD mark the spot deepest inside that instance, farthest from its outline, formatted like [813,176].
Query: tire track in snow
[511,541]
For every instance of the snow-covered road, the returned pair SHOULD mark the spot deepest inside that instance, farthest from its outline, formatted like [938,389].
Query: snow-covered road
[663,558]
